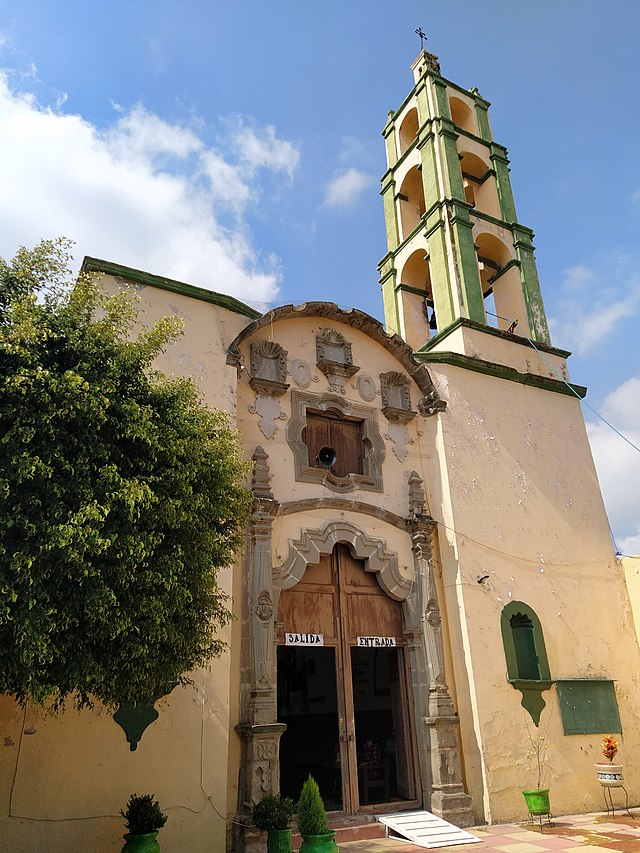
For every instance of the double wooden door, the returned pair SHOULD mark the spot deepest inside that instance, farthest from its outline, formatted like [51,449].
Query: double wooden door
[343,688]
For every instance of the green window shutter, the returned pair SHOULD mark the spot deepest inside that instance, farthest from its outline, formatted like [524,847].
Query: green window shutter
[525,647]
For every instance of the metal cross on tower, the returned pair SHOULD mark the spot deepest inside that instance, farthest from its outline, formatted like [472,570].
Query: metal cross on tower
[423,37]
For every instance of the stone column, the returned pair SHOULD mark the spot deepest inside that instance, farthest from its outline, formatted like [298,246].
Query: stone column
[259,730]
[447,796]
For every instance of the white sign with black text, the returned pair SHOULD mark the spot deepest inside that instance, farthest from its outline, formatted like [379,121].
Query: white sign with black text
[304,639]
[376,642]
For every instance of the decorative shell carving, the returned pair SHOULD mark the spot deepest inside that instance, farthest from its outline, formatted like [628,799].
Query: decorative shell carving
[268,361]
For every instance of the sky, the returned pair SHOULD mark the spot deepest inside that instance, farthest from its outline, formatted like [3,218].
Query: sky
[236,146]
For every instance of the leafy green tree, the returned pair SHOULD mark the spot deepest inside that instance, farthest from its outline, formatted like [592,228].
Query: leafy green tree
[121,494]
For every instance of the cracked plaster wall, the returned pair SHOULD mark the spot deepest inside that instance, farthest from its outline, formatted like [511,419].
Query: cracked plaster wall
[520,492]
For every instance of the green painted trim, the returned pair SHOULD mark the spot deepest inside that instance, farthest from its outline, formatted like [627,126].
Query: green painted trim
[508,611]
[390,210]
[531,689]
[588,706]
[499,333]
[509,265]
[482,117]
[500,371]
[490,173]
[222,300]
[498,156]
[462,131]
[406,288]
[532,700]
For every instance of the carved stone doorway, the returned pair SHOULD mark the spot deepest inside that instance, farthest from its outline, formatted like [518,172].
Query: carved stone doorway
[343,688]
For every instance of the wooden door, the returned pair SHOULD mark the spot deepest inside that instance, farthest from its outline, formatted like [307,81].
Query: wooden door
[342,602]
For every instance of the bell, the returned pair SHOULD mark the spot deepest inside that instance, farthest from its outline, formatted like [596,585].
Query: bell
[326,457]
[433,323]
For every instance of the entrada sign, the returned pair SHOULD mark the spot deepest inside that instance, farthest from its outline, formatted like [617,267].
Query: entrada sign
[376,642]
[304,639]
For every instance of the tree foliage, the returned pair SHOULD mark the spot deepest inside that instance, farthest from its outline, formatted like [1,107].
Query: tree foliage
[121,494]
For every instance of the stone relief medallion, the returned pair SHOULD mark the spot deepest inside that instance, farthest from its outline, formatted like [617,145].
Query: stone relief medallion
[270,413]
[264,608]
[433,614]
[366,387]
[399,435]
[301,373]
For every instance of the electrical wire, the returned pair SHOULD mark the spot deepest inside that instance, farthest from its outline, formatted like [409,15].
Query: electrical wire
[584,402]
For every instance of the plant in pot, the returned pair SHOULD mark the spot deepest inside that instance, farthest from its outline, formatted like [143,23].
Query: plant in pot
[273,814]
[609,774]
[144,820]
[537,799]
[312,821]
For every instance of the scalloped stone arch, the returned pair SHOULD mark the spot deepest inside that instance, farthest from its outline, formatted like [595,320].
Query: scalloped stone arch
[315,543]
[355,319]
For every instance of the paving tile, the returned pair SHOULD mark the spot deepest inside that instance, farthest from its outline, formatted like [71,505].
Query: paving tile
[595,847]
[500,828]
[522,847]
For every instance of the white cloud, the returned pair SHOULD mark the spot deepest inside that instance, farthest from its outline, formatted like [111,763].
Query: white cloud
[617,463]
[144,193]
[577,278]
[593,302]
[344,189]
[630,545]
[261,148]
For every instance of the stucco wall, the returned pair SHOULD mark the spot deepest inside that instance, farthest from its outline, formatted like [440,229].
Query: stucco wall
[516,487]
[62,787]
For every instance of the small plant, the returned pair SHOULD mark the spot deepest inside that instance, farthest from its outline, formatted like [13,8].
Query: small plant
[312,817]
[609,747]
[273,812]
[538,743]
[143,814]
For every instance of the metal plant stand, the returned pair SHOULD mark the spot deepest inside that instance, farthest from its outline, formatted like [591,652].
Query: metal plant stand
[547,816]
[608,800]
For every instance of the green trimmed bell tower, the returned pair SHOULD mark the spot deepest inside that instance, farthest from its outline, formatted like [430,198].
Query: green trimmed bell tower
[457,256]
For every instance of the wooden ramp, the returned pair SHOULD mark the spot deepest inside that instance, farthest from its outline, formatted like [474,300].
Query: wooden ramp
[425,829]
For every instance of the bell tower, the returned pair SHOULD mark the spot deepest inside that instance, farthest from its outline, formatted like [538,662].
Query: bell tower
[457,255]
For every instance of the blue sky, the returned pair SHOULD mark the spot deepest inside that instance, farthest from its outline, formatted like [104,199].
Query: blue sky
[237,146]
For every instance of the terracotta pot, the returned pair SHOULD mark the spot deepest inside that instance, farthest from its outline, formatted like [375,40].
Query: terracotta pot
[537,800]
[609,775]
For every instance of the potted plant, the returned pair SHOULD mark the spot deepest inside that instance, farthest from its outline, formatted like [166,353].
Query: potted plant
[144,820]
[609,775]
[312,821]
[273,814]
[537,799]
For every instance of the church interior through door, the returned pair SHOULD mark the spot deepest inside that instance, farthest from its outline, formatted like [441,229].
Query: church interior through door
[343,688]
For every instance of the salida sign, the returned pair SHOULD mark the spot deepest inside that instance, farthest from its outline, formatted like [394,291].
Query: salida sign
[304,639]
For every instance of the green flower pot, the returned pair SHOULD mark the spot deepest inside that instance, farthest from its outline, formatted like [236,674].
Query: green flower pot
[325,843]
[279,841]
[135,843]
[537,801]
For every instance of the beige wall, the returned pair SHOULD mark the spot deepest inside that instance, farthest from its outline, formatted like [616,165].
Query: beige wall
[508,475]
[515,483]
[64,785]
[297,336]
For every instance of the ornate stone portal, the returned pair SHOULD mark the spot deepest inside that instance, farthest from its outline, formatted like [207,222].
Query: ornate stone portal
[258,729]
[437,735]
[439,753]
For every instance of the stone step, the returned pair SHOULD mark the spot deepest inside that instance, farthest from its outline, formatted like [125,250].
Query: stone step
[363,830]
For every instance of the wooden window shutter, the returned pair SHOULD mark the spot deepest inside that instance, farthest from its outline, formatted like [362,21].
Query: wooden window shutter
[344,436]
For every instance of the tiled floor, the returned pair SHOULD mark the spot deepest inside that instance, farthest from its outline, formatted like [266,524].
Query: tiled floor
[593,833]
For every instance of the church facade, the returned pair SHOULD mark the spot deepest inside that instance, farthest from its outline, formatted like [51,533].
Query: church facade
[428,595]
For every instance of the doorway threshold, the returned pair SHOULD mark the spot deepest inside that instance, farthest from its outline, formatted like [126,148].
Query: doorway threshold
[425,829]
